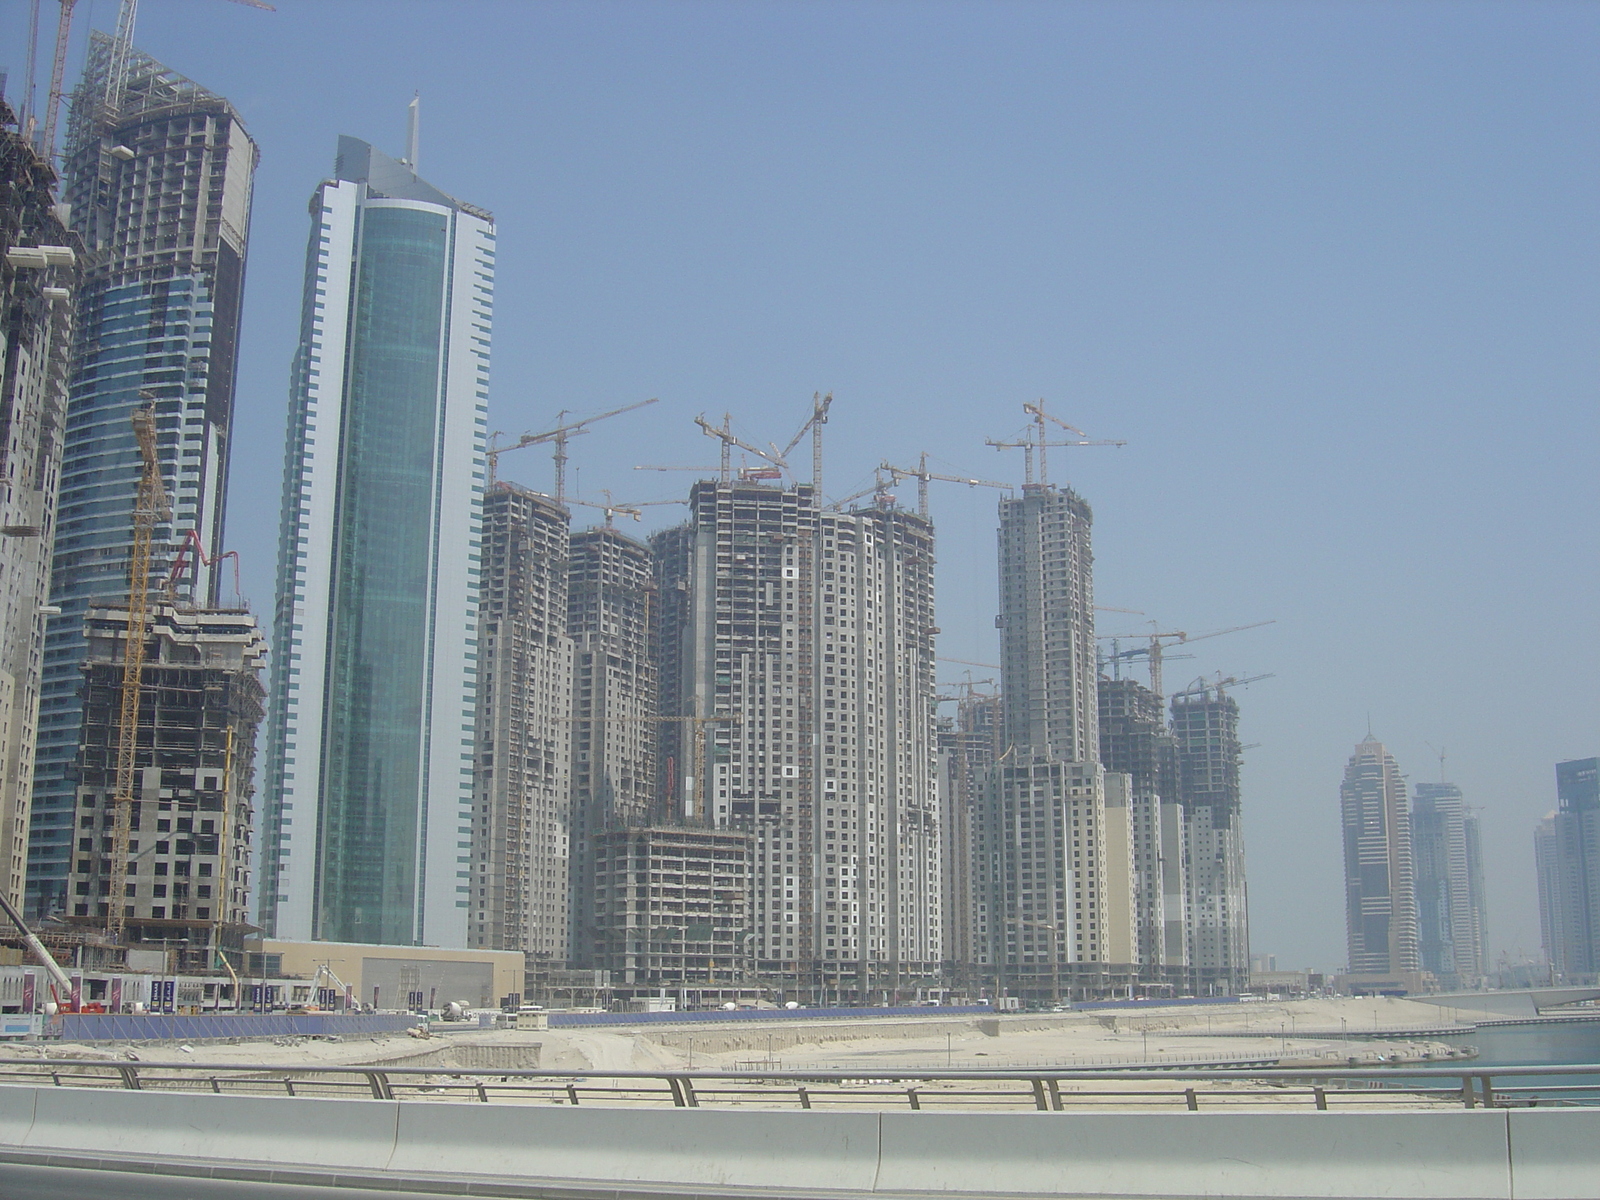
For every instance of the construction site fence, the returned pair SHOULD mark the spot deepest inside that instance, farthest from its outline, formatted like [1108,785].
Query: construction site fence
[108,1027]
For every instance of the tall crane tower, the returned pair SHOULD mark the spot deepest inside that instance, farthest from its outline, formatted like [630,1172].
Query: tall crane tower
[922,475]
[1154,652]
[1036,441]
[117,77]
[559,436]
[151,506]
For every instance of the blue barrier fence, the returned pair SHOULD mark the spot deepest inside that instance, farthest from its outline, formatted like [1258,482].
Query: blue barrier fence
[105,1027]
[723,1016]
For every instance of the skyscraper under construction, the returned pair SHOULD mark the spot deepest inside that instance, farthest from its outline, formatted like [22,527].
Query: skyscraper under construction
[158,176]
[1058,922]
[797,649]
[1205,726]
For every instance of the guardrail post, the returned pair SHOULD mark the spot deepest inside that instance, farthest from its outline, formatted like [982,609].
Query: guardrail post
[572,1093]
[379,1083]
[1488,1091]
[677,1092]
[483,1092]
[130,1077]
[1191,1099]
[1039,1100]
[688,1093]
[911,1095]
[1468,1095]
[288,1085]
[1321,1097]
[215,1086]
[805,1097]
[1055,1093]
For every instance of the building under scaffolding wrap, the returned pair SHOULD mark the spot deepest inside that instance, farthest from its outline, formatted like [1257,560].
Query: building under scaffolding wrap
[809,635]
[188,866]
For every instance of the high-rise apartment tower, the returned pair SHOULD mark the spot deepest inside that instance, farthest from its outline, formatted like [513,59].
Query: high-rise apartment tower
[808,634]
[610,593]
[158,181]
[38,272]
[1056,923]
[1134,740]
[1444,843]
[521,842]
[1568,856]
[1205,725]
[369,774]
[1380,898]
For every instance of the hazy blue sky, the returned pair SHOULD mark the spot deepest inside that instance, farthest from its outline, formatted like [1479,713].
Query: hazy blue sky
[1330,270]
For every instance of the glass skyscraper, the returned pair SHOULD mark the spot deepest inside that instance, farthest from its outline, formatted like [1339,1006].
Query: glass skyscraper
[158,178]
[369,769]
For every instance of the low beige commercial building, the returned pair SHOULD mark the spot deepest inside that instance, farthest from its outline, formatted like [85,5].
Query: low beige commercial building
[406,977]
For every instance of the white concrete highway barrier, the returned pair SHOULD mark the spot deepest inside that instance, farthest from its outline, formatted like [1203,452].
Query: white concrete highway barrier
[224,1146]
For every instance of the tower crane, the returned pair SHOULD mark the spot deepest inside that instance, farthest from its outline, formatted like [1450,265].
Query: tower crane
[1202,686]
[725,433]
[121,47]
[1154,651]
[818,418]
[150,506]
[1037,442]
[922,475]
[563,431]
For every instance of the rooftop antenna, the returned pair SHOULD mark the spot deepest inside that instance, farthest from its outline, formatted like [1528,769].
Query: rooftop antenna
[411,131]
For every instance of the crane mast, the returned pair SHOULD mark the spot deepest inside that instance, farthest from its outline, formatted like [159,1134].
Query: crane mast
[149,507]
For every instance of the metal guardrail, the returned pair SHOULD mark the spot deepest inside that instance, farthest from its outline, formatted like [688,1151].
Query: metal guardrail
[1045,1091]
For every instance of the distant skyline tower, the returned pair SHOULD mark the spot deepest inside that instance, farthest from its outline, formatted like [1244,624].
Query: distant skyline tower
[1567,849]
[369,769]
[1380,898]
[1449,883]
[158,176]
[1205,723]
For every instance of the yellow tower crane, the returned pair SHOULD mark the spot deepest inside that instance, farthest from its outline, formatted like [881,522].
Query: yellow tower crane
[150,506]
